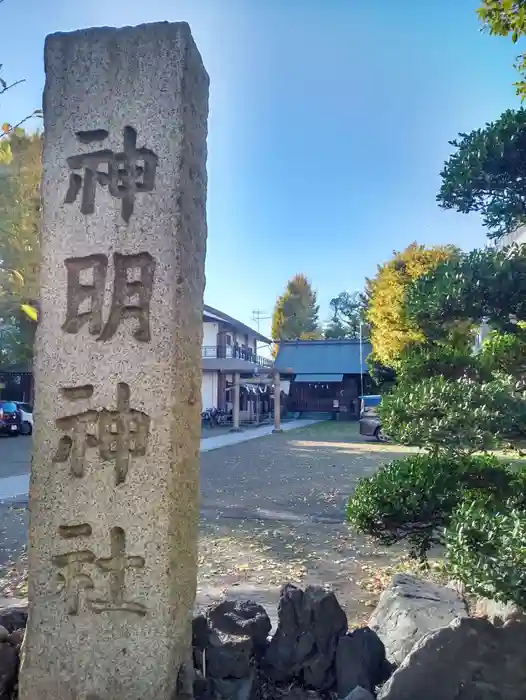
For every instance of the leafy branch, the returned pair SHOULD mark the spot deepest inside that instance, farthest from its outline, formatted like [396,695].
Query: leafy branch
[502,18]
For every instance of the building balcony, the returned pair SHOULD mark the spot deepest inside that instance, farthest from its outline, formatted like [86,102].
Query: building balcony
[228,358]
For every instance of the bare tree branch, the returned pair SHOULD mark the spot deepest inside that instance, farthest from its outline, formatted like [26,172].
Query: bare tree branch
[36,113]
[6,87]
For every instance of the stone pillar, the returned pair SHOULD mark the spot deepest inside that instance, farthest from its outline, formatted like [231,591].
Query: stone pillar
[235,401]
[114,496]
[277,403]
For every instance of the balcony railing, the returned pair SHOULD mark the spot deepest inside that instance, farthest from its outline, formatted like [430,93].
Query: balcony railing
[219,352]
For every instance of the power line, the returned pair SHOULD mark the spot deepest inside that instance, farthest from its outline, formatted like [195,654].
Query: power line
[258,315]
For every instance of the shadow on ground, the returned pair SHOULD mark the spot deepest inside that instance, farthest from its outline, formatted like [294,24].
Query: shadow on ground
[273,510]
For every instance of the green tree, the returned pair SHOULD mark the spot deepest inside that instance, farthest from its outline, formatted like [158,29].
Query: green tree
[6,155]
[505,18]
[506,353]
[414,499]
[485,546]
[392,331]
[19,242]
[296,312]
[487,174]
[483,285]
[347,315]
[454,416]
[453,402]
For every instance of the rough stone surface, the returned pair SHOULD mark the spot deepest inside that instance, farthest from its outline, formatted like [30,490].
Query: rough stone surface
[304,645]
[360,661]
[243,618]
[115,487]
[8,669]
[228,656]
[471,659]
[234,688]
[16,638]
[360,693]
[408,609]
[497,613]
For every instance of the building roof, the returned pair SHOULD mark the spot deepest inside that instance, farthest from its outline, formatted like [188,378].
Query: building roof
[215,314]
[25,368]
[321,357]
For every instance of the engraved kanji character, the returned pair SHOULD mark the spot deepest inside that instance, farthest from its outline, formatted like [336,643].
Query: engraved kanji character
[74,580]
[73,446]
[120,434]
[116,566]
[125,291]
[123,433]
[124,176]
[130,298]
[78,292]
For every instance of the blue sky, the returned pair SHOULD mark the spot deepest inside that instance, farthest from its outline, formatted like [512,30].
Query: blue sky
[329,124]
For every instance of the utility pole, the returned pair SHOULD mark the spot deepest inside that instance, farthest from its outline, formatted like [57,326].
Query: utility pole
[361,358]
[258,315]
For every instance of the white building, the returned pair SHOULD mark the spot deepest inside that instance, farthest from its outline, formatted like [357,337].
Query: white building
[230,346]
[517,236]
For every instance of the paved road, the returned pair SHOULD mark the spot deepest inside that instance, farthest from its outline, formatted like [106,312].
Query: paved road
[15,462]
[15,456]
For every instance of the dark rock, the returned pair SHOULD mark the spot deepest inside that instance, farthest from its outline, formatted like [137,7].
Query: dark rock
[294,692]
[247,619]
[304,645]
[8,668]
[471,659]
[360,693]
[228,656]
[235,688]
[4,634]
[497,613]
[409,609]
[14,617]
[479,691]
[360,661]
[201,685]
[200,632]
[16,638]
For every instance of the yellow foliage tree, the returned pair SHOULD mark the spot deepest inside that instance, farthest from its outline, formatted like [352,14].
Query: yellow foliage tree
[19,239]
[391,330]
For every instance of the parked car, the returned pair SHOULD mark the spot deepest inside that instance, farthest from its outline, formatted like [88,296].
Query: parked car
[370,423]
[10,418]
[26,418]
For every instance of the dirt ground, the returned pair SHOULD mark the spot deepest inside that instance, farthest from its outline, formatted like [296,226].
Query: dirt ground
[273,510]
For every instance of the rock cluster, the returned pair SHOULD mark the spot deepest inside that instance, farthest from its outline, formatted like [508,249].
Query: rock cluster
[12,625]
[311,650]
[420,643]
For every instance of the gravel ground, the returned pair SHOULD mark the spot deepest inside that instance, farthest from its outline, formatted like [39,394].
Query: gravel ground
[272,511]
